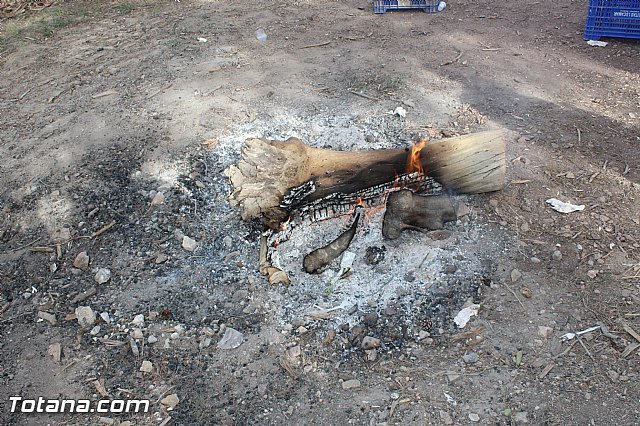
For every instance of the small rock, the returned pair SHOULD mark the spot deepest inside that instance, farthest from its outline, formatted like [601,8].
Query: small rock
[613,375]
[152,339]
[535,260]
[556,255]
[146,367]
[85,315]
[81,261]
[471,357]
[328,339]
[452,377]
[592,273]
[462,210]
[294,352]
[157,199]
[370,319]
[136,333]
[474,417]
[205,343]
[371,354]
[178,235]
[544,331]
[524,227]
[526,292]
[493,203]
[520,417]
[232,339]
[351,384]
[262,389]
[105,317]
[161,258]
[423,334]
[170,401]
[138,321]
[445,417]
[369,343]
[95,330]
[189,244]
[102,276]
[48,317]
[302,330]
[55,350]
[515,275]
[450,269]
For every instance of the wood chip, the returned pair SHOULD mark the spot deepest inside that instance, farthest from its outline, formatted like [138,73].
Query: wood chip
[83,296]
[103,94]
[546,370]
[629,349]
[100,388]
[55,350]
[468,334]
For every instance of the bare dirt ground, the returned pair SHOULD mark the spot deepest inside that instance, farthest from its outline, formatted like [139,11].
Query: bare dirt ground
[103,105]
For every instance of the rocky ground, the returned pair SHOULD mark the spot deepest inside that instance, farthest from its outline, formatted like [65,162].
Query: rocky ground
[125,274]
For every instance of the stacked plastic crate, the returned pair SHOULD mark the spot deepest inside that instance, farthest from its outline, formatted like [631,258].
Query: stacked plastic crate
[613,18]
[429,6]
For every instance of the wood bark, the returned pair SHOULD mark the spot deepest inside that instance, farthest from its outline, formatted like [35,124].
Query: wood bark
[406,210]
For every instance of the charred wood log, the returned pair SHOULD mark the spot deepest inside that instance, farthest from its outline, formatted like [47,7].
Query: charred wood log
[319,258]
[406,210]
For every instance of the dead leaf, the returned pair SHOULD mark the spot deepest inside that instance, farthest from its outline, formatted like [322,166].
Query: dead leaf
[55,350]
[210,143]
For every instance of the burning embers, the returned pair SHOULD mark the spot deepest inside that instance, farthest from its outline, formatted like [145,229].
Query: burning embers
[291,185]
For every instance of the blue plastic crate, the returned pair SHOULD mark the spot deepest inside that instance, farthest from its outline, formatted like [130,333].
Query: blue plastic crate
[429,6]
[613,18]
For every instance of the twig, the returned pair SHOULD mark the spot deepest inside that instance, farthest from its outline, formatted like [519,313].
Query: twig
[157,92]
[315,45]
[103,229]
[579,136]
[371,98]
[584,347]
[69,365]
[27,245]
[515,295]
[630,330]
[566,350]
[453,61]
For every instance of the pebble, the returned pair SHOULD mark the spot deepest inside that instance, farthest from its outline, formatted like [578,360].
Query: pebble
[262,389]
[138,321]
[85,315]
[302,330]
[95,330]
[526,292]
[102,276]
[232,339]
[146,367]
[205,343]
[81,261]
[136,333]
[157,199]
[557,255]
[471,357]
[613,375]
[521,417]
[170,401]
[445,417]
[351,384]
[450,268]
[535,260]
[544,331]
[328,339]
[152,339]
[48,317]
[369,343]
[370,319]
[372,355]
[592,273]
[462,209]
[423,334]
[474,417]
[515,275]
[105,317]
[294,352]
[161,258]
[189,244]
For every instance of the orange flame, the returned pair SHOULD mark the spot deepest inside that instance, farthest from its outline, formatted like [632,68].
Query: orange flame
[414,163]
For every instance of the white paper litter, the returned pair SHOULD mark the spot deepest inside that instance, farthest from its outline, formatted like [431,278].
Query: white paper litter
[400,112]
[463,317]
[202,40]
[562,207]
[232,339]
[597,43]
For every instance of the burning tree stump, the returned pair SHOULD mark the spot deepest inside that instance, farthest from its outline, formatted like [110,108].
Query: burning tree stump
[406,210]
[275,177]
